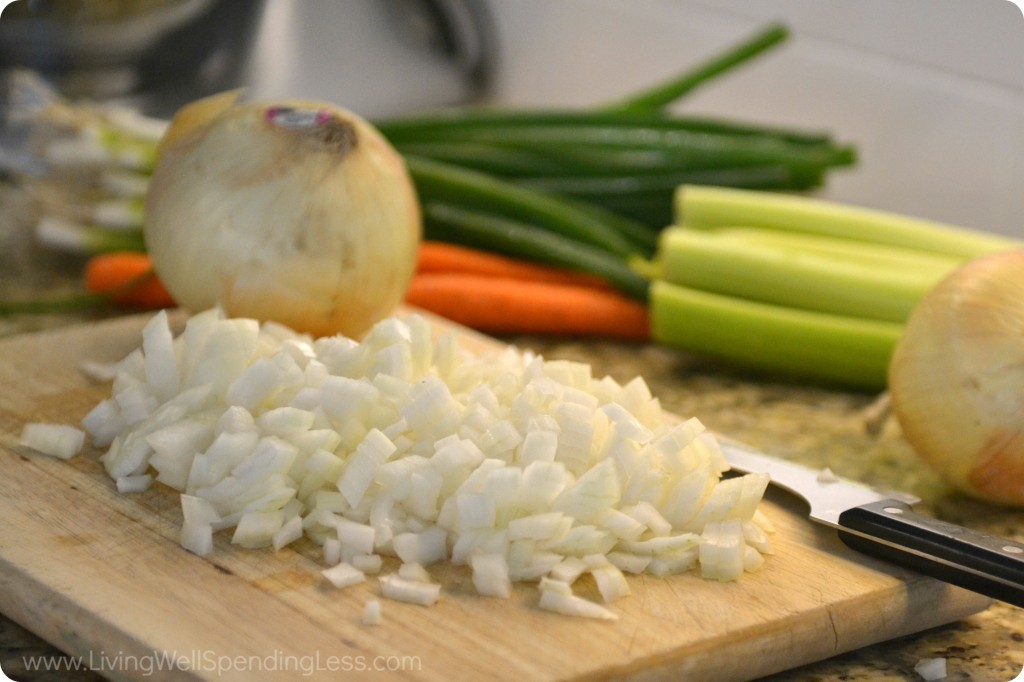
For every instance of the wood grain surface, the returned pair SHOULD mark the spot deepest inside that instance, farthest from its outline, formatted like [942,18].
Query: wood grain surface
[101,576]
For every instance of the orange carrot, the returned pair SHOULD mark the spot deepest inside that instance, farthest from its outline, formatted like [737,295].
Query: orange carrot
[437,256]
[500,305]
[127,277]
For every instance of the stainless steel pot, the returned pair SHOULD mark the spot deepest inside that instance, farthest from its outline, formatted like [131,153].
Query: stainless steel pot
[377,57]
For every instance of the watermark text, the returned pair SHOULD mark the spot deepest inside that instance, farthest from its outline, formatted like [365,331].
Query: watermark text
[212,662]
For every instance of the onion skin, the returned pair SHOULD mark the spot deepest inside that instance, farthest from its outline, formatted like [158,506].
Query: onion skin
[293,211]
[957,378]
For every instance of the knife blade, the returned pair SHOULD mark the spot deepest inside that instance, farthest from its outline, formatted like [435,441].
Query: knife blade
[885,526]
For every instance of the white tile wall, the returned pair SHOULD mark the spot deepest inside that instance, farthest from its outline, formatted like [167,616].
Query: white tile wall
[930,91]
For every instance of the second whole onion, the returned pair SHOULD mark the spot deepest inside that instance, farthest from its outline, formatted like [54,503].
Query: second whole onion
[957,378]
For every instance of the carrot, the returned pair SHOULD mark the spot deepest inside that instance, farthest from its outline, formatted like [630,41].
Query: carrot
[502,305]
[435,256]
[127,277]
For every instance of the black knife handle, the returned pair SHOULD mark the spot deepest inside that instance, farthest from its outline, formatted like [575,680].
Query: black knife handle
[982,563]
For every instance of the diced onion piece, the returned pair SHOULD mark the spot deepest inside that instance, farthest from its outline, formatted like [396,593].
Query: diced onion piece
[826,475]
[57,440]
[372,614]
[197,537]
[104,422]
[722,550]
[414,571]
[568,570]
[756,537]
[332,551]
[555,585]
[357,537]
[763,522]
[198,510]
[491,576]
[611,583]
[426,548]
[626,424]
[476,510]
[343,575]
[592,494]
[174,447]
[257,528]
[288,533]
[283,421]
[673,562]
[374,450]
[931,668]
[540,564]
[623,525]
[545,526]
[369,564]
[629,563]
[572,605]
[752,559]
[414,592]
[660,545]
[645,513]
[161,360]
[134,484]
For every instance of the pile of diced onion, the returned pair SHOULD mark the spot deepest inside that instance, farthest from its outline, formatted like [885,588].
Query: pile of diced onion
[407,445]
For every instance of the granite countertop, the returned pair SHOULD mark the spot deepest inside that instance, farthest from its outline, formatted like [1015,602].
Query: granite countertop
[817,426]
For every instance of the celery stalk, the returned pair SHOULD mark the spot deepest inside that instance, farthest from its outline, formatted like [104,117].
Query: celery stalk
[711,207]
[879,255]
[774,274]
[831,349]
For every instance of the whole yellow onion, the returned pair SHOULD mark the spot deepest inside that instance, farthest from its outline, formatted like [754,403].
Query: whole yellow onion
[956,379]
[293,211]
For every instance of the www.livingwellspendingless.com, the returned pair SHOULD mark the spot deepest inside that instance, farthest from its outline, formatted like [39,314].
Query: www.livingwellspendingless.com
[212,662]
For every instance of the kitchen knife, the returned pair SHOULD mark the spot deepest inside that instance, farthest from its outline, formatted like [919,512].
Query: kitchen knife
[885,526]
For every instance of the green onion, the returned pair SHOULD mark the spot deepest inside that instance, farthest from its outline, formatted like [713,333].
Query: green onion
[484,193]
[665,146]
[647,197]
[821,347]
[129,150]
[704,207]
[71,237]
[675,88]
[628,170]
[626,158]
[67,304]
[448,123]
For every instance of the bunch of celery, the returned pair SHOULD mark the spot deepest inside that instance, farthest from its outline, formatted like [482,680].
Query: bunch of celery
[795,285]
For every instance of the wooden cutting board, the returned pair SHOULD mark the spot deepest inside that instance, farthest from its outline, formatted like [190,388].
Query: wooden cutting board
[101,576]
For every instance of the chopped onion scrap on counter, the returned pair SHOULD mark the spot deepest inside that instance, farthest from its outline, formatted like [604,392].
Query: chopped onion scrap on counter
[57,440]
[409,446]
